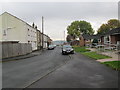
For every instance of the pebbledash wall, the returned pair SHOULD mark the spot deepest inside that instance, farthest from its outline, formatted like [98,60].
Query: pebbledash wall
[15,29]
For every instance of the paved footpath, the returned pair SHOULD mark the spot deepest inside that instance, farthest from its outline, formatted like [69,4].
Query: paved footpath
[80,72]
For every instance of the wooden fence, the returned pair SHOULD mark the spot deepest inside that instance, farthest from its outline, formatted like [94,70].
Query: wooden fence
[15,49]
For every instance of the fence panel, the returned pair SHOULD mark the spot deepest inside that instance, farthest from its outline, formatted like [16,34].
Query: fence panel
[15,49]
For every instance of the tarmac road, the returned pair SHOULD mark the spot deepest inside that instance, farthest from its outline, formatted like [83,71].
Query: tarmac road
[21,73]
[54,70]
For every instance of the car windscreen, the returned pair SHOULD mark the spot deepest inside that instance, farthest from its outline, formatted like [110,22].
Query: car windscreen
[50,45]
[67,46]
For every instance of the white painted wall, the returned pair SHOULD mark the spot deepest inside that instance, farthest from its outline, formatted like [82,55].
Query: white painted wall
[14,29]
[45,41]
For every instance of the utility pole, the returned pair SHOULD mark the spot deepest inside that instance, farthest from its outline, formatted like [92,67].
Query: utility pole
[64,35]
[42,32]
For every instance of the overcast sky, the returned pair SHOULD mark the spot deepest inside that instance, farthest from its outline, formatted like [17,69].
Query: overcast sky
[58,15]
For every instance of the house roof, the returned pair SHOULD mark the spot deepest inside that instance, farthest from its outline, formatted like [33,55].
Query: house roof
[87,36]
[22,21]
[113,31]
[98,36]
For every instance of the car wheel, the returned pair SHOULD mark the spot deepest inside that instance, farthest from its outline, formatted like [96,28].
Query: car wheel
[62,53]
[73,52]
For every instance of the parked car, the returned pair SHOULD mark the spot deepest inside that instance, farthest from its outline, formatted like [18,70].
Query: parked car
[67,49]
[94,45]
[51,47]
[54,46]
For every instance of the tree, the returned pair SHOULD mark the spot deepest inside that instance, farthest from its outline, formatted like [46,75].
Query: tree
[111,24]
[103,28]
[79,27]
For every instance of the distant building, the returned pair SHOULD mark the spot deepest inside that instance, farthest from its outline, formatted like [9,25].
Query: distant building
[39,40]
[74,42]
[15,29]
[47,41]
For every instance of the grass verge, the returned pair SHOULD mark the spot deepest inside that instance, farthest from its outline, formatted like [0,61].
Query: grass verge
[87,52]
[94,55]
[80,49]
[114,64]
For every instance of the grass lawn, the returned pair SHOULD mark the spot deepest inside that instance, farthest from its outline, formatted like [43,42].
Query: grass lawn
[80,49]
[94,55]
[114,64]
[86,52]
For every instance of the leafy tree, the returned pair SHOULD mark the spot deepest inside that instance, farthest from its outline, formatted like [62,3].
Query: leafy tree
[103,28]
[79,27]
[111,24]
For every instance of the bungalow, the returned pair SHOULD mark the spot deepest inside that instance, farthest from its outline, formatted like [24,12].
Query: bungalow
[111,37]
[87,39]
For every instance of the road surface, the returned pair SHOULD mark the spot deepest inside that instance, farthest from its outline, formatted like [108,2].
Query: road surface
[51,69]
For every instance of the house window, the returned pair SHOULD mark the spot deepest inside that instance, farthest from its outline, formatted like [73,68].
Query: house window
[106,40]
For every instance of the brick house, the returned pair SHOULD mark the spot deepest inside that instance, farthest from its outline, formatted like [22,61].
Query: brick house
[74,42]
[87,39]
[112,37]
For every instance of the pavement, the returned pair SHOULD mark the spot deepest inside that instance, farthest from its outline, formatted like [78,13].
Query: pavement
[51,69]
[35,53]
[113,54]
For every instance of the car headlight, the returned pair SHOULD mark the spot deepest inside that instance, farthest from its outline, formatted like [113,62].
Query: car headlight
[71,49]
[64,50]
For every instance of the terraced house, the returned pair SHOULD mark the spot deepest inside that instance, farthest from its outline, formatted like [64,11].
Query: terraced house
[15,29]
[18,37]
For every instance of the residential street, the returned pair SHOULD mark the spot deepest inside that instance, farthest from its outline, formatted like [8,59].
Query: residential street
[51,69]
